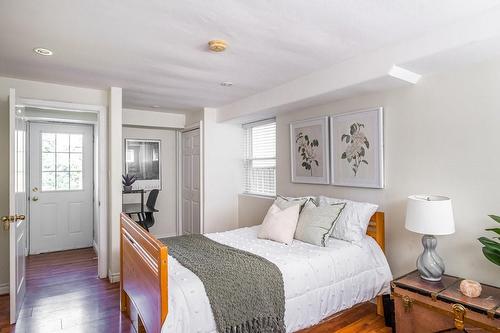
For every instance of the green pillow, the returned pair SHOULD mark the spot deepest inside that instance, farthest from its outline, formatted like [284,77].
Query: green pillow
[316,223]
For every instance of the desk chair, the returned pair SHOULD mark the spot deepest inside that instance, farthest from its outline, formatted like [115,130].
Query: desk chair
[146,219]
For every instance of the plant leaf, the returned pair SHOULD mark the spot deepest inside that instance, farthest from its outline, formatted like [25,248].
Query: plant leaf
[354,127]
[367,143]
[488,242]
[344,155]
[495,217]
[315,161]
[497,230]
[491,256]
[365,161]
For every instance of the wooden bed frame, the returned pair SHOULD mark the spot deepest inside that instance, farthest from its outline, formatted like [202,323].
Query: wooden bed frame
[144,273]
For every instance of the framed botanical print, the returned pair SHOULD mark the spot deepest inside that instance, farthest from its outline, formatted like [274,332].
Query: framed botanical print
[357,148]
[309,151]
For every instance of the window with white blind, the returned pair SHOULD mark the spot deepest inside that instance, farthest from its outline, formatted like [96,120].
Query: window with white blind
[260,158]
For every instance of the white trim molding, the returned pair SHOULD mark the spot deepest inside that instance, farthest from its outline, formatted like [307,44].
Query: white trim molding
[113,277]
[4,289]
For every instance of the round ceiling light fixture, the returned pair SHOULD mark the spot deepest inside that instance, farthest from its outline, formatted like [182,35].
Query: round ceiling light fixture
[155,106]
[217,45]
[226,84]
[43,51]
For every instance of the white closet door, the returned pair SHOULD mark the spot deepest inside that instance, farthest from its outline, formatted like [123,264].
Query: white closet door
[191,182]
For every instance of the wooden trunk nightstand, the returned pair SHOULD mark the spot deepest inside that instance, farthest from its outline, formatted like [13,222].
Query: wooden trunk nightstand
[425,307]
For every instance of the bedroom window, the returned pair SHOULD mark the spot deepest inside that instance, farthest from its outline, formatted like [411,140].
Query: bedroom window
[260,158]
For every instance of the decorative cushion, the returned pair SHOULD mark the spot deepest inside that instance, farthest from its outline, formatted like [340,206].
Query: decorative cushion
[279,225]
[316,223]
[353,221]
[285,202]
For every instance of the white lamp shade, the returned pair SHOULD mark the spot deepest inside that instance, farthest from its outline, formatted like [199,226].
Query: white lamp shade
[429,215]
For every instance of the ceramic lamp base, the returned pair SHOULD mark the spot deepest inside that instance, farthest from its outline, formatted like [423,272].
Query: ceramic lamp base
[429,263]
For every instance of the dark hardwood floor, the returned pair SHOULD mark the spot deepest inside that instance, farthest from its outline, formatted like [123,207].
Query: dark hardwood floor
[65,295]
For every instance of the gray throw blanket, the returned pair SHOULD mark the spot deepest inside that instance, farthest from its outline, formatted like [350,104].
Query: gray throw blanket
[245,291]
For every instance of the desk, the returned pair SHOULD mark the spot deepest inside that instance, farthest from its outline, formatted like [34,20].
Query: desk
[141,191]
[136,208]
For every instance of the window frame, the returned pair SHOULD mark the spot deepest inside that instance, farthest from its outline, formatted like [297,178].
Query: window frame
[248,158]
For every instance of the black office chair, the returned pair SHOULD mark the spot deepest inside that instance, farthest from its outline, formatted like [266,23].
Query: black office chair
[147,219]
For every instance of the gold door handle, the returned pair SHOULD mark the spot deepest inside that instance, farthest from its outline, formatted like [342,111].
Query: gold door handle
[20,217]
[34,199]
[7,220]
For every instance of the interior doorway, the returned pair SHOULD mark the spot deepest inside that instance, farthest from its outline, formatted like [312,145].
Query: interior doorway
[61,184]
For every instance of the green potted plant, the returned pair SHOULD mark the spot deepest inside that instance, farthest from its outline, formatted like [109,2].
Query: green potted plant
[128,181]
[491,248]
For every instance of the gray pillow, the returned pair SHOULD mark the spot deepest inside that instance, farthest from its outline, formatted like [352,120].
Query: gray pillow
[317,223]
[286,202]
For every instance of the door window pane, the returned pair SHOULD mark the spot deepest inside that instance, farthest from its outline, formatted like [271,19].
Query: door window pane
[62,161]
[62,181]
[48,142]
[75,162]
[75,143]
[48,181]
[48,162]
[62,142]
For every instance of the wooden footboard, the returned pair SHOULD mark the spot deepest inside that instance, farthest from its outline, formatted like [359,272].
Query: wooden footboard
[144,271]
[376,229]
[143,275]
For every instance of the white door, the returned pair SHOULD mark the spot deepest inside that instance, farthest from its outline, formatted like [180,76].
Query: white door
[61,187]
[191,182]
[15,222]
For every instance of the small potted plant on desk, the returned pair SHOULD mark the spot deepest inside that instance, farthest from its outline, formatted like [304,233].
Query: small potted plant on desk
[128,181]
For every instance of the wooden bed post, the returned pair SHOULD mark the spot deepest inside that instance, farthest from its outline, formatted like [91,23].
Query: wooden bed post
[376,229]
[143,277]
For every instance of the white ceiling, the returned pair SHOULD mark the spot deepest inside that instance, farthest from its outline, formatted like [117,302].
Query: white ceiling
[156,50]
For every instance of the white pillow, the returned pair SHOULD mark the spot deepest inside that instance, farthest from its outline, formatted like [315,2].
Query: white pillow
[354,219]
[279,225]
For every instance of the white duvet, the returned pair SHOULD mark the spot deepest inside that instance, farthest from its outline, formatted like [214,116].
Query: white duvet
[318,281]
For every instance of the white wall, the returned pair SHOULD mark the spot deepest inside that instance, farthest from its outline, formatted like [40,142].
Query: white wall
[115,151]
[441,137]
[153,119]
[36,90]
[221,165]
[166,218]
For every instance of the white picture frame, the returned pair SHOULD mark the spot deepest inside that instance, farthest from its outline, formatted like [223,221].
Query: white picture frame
[357,148]
[312,136]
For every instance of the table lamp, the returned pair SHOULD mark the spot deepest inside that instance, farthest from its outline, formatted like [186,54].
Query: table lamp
[430,215]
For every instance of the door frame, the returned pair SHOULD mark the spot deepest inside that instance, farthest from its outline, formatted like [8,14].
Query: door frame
[197,126]
[100,165]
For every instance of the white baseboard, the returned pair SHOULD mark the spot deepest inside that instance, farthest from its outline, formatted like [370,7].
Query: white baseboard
[4,288]
[113,277]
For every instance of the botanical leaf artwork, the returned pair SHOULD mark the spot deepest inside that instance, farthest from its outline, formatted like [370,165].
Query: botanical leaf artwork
[357,146]
[307,149]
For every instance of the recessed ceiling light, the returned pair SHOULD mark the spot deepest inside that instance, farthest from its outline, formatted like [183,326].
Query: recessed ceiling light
[226,84]
[155,106]
[42,51]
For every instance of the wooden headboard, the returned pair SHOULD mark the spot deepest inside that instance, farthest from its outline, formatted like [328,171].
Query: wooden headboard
[376,229]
